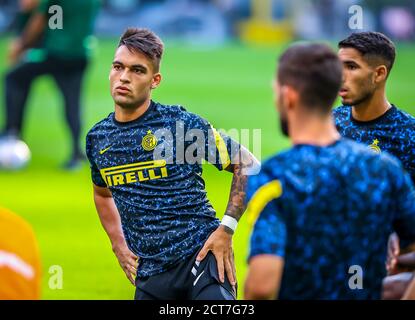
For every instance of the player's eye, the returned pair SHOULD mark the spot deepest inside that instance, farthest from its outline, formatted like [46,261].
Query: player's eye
[138,71]
[351,67]
[116,67]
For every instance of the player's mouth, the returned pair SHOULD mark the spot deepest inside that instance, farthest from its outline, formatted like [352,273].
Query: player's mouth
[343,92]
[122,90]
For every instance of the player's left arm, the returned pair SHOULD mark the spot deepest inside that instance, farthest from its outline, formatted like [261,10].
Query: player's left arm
[242,164]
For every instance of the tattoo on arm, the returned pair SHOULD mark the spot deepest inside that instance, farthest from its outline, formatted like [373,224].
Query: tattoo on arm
[236,203]
[242,166]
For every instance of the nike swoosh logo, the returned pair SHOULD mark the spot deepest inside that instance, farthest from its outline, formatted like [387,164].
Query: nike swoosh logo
[197,279]
[104,150]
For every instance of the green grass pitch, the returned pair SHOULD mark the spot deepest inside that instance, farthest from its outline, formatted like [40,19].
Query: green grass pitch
[230,86]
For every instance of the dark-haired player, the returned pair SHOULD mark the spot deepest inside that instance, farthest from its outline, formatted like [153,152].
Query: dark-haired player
[366,115]
[323,209]
[149,193]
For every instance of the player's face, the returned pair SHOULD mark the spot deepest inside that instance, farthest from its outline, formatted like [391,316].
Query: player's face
[358,77]
[132,78]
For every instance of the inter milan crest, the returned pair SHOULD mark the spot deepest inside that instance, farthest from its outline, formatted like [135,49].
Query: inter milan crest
[149,141]
[374,146]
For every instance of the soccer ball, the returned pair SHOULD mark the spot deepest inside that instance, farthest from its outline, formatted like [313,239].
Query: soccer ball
[14,154]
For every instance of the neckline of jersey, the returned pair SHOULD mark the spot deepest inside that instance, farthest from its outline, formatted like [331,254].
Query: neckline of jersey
[135,121]
[391,110]
[332,144]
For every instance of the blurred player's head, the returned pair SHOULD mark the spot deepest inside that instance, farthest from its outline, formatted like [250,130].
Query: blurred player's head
[135,69]
[308,80]
[367,59]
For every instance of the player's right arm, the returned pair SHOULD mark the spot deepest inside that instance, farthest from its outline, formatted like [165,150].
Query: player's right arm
[110,220]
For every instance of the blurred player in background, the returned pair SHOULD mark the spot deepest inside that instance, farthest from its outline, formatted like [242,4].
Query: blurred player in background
[20,271]
[62,53]
[326,204]
[156,209]
[366,115]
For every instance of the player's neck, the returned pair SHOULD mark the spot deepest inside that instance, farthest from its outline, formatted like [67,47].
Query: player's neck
[314,130]
[126,114]
[371,109]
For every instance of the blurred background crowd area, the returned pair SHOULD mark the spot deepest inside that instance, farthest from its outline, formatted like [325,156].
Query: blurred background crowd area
[213,22]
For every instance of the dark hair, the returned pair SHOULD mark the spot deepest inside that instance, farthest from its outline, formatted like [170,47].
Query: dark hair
[315,71]
[372,45]
[144,41]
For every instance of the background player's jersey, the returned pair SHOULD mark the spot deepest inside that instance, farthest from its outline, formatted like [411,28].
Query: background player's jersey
[74,39]
[326,209]
[393,132]
[164,210]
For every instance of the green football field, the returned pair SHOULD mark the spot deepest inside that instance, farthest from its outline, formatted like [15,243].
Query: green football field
[230,86]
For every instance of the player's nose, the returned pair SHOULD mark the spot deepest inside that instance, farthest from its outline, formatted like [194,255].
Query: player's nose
[125,77]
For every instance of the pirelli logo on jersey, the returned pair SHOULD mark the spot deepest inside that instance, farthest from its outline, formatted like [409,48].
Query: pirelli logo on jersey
[134,172]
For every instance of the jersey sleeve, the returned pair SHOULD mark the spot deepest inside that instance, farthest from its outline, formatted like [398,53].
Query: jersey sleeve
[95,173]
[269,229]
[209,144]
[404,222]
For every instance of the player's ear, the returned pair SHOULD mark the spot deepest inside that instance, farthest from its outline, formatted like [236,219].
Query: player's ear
[290,96]
[156,80]
[381,72]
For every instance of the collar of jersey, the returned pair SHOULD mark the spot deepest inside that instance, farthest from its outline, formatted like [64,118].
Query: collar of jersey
[332,144]
[373,121]
[135,121]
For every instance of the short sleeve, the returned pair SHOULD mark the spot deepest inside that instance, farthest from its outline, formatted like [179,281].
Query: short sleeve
[209,144]
[269,229]
[95,173]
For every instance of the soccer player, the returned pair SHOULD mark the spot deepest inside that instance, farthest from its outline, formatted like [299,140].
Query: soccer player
[148,189]
[62,53]
[366,115]
[323,210]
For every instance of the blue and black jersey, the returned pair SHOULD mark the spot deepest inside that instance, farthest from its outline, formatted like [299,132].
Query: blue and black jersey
[393,132]
[326,210]
[153,168]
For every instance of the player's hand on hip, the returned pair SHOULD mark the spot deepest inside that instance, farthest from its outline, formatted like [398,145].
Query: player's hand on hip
[393,253]
[220,243]
[128,261]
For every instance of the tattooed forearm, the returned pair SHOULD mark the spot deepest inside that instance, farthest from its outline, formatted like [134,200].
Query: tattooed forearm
[236,203]
[247,163]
